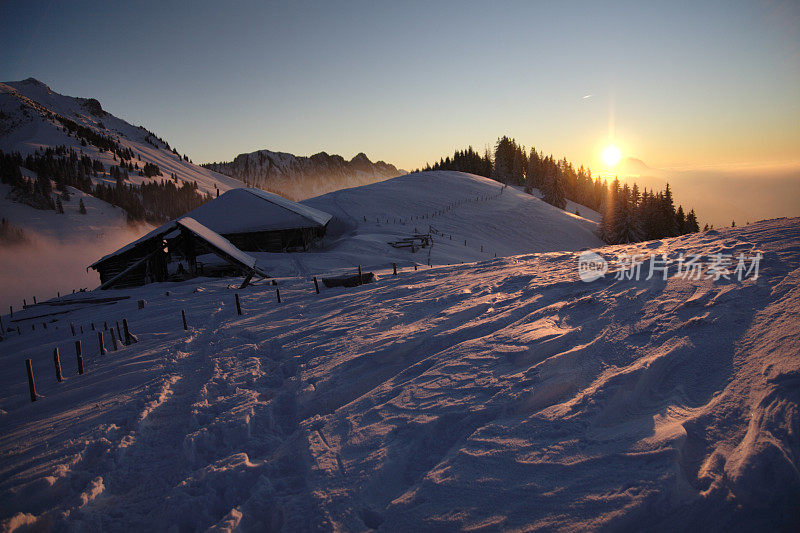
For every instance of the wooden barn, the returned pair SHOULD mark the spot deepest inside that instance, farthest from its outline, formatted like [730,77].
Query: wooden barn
[224,229]
[259,221]
[171,252]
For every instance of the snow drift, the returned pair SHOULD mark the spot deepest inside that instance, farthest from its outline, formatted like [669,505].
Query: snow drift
[501,394]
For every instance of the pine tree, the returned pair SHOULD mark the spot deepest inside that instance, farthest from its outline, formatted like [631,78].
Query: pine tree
[692,225]
[553,188]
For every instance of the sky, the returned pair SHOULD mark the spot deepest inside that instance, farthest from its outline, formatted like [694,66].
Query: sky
[681,86]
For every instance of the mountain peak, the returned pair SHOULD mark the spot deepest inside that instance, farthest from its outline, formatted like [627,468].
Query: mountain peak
[361,157]
[34,81]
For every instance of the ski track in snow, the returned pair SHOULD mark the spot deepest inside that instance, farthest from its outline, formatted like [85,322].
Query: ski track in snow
[501,394]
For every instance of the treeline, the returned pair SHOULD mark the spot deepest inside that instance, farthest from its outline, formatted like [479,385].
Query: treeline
[632,217]
[627,214]
[155,202]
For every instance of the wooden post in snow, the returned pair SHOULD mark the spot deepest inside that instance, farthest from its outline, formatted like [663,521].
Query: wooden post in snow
[140,303]
[127,332]
[278,293]
[11,310]
[183,316]
[113,340]
[360,279]
[31,384]
[57,363]
[79,356]
[316,284]
[100,343]
[119,333]
[72,327]
[238,305]
[394,268]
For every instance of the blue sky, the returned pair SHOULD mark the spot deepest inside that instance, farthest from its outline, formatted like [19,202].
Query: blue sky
[676,84]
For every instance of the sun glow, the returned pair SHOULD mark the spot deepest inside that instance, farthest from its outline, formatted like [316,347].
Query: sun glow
[611,155]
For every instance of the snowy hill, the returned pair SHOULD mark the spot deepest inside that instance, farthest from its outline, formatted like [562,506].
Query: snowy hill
[502,394]
[453,206]
[298,177]
[35,117]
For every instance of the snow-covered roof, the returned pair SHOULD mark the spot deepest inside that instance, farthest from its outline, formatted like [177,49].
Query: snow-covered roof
[246,210]
[217,241]
[240,211]
[161,230]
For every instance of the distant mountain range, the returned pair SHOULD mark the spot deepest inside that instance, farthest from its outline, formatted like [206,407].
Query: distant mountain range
[34,118]
[298,177]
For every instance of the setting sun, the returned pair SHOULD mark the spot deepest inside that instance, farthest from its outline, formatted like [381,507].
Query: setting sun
[611,155]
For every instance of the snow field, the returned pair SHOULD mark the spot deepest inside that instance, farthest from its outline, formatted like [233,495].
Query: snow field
[499,394]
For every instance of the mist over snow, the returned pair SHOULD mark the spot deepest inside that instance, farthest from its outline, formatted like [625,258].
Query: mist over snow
[58,247]
[45,265]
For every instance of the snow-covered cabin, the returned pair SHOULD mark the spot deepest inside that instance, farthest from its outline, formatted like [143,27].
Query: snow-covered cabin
[240,220]
[259,221]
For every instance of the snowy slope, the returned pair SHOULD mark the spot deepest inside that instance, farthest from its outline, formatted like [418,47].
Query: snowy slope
[504,394]
[457,206]
[28,108]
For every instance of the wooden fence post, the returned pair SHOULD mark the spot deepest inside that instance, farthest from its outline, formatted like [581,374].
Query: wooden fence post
[100,343]
[360,279]
[57,363]
[119,333]
[394,268]
[31,384]
[183,316]
[415,266]
[113,340]
[238,305]
[127,332]
[278,293]
[316,284]
[11,310]
[140,303]
[72,327]
[79,356]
